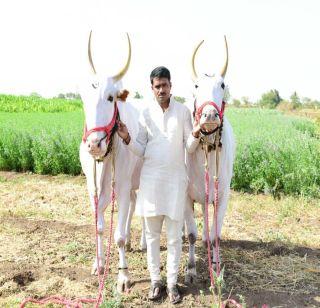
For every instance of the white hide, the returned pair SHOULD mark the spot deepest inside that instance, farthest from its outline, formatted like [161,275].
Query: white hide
[99,112]
[208,89]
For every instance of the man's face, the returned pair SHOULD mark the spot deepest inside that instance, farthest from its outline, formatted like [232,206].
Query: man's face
[161,88]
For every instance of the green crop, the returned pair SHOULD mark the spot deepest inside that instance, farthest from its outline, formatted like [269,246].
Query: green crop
[275,154]
[45,143]
[12,103]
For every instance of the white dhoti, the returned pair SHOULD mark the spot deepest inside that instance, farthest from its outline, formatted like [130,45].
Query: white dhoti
[174,241]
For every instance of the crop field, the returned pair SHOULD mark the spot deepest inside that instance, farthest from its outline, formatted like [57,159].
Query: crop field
[12,103]
[270,244]
[276,153]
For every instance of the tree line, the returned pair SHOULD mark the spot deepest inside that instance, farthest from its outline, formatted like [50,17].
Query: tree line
[272,100]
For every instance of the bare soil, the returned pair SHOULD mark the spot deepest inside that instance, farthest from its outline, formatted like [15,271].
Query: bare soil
[47,248]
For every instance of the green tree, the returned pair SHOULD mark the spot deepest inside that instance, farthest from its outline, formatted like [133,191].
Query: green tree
[138,95]
[270,99]
[295,100]
[35,94]
[245,101]
[236,102]
[180,99]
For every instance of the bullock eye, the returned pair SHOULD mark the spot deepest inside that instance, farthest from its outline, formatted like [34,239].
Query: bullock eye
[196,86]
[110,98]
[95,85]
[222,86]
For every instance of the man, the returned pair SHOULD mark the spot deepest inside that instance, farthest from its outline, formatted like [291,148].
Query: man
[165,130]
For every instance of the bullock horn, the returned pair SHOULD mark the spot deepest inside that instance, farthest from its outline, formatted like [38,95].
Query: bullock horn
[125,68]
[89,54]
[194,73]
[224,70]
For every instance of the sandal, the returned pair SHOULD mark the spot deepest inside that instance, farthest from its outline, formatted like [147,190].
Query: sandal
[156,289]
[174,294]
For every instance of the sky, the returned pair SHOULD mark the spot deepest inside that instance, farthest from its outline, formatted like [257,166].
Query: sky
[273,44]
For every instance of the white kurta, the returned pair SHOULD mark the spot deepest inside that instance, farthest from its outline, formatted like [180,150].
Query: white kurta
[161,141]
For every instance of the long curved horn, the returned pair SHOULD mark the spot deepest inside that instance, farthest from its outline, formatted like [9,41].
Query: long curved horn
[125,68]
[89,54]
[194,73]
[224,69]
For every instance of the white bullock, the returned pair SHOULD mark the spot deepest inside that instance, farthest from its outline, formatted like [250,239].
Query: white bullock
[208,108]
[104,103]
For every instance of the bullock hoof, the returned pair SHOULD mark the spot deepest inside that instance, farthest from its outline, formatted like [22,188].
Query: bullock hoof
[204,244]
[143,245]
[94,270]
[120,242]
[191,274]
[123,283]
[128,246]
[123,286]
[190,278]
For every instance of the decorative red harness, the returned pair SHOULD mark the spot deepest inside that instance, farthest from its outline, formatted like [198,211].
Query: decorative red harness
[198,111]
[108,128]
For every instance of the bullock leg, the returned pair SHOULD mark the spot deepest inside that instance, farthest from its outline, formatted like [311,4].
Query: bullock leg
[133,198]
[222,208]
[191,273]
[204,229]
[183,233]
[100,237]
[123,201]
[143,241]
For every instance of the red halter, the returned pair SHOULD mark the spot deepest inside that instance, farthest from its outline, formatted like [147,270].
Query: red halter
[198,111]
[108,128]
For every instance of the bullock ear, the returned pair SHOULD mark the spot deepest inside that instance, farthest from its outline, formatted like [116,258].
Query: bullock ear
[123,94]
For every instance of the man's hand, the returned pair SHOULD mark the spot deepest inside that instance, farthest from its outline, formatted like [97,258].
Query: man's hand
[196,129]
[122,130]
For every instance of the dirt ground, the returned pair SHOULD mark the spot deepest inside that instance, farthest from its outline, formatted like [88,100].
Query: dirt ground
[270,249]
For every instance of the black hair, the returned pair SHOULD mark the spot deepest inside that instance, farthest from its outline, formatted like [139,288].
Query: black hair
[160,72]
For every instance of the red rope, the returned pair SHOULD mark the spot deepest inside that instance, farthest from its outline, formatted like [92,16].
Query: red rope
[216,186]
[106,268]
[107,129]
[198,111]
[207,226]
[77,303]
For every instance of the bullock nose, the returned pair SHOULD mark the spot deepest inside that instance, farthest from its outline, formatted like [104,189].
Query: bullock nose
[93,144]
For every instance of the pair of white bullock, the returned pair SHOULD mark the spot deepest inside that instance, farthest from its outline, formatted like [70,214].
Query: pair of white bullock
[102,97]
